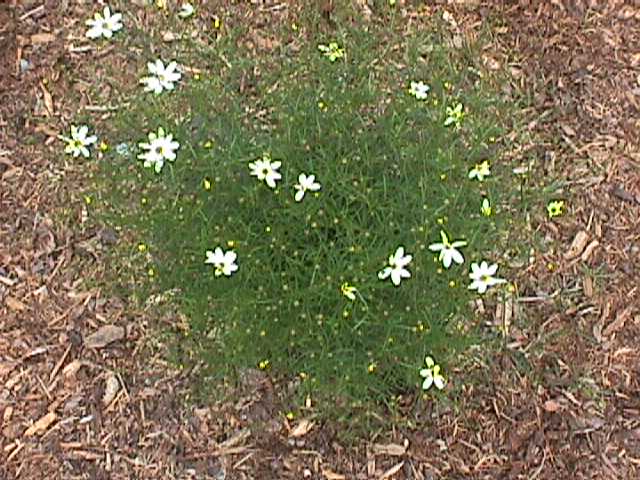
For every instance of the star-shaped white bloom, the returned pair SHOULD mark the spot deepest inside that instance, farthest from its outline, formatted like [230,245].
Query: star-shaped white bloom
[186,10]
[480,171]
[266,170]
[305,183]
[432,375]
[223,262]
[448,250]
[482,277]
[162,78]
[161,147]
[79,141]
[420,90]
[454,116]
[104,25]
[396,269]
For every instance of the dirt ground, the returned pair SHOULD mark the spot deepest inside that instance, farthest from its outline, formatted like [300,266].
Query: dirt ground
[84,393]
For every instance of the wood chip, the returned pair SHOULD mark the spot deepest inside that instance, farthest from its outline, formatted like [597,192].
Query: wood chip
[551,406]
[14,304]
[41,425]
[577,246]
[112,386]
[329,475]
[104,336]
[392,471]
[392,449]
[303,427]
[42,38]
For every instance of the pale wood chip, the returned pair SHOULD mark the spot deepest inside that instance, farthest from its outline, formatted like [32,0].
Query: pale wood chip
[392,471]
[41,424]
[302,428]
[104,336]
[577,246]
[392,449]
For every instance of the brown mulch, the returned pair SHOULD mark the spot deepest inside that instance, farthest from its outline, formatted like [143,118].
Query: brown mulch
[84,392]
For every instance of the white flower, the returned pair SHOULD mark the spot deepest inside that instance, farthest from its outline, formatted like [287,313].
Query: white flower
[223,262]
[186,10]
[480,171]
[348,291]
[432,375]
[420,90]
[454,116]
[305,183]
[396,269]
[448,251]
[103,25]
[333,51]
[266,170]
[160,147]
[482,276]
[79,141]
[162,78]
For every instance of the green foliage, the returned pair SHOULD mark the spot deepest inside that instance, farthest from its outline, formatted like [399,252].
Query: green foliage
[391,172]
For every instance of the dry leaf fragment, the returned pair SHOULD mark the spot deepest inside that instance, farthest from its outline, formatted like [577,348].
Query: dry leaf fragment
[41,425]
[577,246]
[303,427]
[104,336]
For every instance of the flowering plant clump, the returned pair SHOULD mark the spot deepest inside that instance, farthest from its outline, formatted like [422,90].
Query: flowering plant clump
[341,198]
[79,141]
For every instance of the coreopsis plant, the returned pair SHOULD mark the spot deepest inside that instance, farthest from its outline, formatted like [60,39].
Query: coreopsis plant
[79,141]
[103,25]
[396,267]
[160,147]
[224,263]
[305,183]
[482,276]
[161,77]
[448,250]
[266,170]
